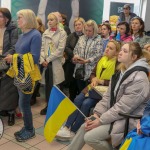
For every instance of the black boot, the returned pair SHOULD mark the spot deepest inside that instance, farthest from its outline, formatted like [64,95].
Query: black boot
[44,111]
[3,113]
[11,119]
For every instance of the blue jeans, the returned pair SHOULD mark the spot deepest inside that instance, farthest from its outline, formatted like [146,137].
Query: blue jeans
[76,119]
[24,105]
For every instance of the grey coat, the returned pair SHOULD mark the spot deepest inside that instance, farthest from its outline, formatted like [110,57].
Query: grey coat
[132,96]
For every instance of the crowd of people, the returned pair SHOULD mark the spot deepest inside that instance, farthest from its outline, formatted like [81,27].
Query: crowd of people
[78,61]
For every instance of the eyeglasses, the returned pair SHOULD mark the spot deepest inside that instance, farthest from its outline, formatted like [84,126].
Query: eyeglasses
[125,8]
[1,16]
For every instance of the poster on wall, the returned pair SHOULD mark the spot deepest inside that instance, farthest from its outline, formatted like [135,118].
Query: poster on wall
[116,8]
[88,9]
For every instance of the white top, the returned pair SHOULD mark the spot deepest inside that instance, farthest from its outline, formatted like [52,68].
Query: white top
[2,30]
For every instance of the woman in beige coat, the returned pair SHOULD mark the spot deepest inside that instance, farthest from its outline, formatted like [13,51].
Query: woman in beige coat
[53,44]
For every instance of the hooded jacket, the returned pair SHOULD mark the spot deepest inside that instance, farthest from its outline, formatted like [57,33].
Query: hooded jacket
[133,93]
[10,39]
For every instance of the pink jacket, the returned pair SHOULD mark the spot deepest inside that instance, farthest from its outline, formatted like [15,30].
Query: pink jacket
[126,38]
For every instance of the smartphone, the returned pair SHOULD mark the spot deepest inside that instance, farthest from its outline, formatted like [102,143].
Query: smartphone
[92,118]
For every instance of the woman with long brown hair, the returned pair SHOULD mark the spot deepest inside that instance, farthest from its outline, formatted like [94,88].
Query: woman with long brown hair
[137,31]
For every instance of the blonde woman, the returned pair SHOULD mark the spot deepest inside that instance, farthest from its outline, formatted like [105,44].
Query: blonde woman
[99,76]
[86,53]
[53,44]
[29,42]
[128,92]
[68,66]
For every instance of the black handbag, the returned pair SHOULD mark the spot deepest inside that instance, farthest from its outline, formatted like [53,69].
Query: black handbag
[80,72]
[94,95]
[3,64]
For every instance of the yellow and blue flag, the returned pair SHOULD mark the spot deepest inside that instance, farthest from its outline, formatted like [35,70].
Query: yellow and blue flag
[59,109]
[135,141]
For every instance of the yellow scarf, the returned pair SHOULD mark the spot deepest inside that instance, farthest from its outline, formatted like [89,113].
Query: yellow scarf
[105,68]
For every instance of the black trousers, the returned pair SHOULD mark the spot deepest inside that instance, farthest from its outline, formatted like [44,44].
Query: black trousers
[48,81]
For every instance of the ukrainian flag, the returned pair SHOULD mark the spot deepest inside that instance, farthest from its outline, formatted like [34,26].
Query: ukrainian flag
[135,141]
[59,109]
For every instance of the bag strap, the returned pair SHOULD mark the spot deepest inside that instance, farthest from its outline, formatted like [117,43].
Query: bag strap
[116,77]
[137,68]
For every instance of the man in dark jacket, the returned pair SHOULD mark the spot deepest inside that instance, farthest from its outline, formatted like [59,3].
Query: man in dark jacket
[126,15]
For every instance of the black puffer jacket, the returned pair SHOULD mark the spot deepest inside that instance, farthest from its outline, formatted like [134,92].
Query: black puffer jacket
[8,92]
[71,42]
[10,39]
[68,66]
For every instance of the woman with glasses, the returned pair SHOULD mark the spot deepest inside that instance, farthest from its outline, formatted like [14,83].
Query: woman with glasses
[126,15]
[8,39]
[27,53]
[137,31]
[53,45]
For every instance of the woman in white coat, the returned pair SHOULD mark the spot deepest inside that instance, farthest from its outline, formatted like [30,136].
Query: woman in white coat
[53,44]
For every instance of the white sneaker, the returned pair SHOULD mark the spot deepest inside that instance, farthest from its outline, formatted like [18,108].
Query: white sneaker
[64,134]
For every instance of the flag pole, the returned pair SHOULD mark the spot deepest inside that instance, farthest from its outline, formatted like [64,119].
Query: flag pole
[71,102]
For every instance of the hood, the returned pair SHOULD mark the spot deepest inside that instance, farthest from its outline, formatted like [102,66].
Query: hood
[142,63]
[11,26]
